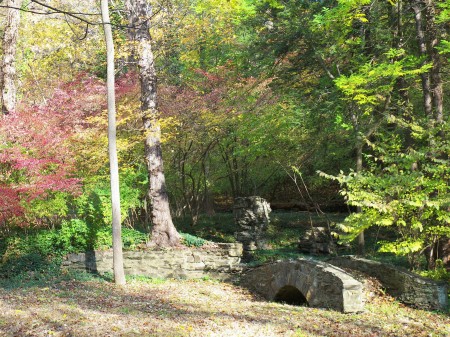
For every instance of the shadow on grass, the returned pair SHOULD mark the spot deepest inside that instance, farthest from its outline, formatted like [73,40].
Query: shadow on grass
[35,270]
[171,305]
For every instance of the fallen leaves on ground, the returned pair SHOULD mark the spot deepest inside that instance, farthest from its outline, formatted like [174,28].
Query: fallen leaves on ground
[194,308]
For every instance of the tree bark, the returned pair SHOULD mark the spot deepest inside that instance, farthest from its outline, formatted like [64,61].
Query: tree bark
[119,274]
[432,39]
[436,85]
[163,231]
[8,67]
[359,166]
[418,6]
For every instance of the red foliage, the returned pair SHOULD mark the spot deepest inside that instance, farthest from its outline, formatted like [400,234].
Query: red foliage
[9,203]
[35,152]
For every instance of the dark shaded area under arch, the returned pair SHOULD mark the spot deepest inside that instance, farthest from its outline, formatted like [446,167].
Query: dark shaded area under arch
[290,295]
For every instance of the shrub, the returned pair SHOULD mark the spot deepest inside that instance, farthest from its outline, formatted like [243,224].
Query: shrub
[191,240]
[74,236]
[132,238]
[440,273]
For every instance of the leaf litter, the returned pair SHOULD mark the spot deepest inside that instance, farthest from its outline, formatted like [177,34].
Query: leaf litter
[195,308]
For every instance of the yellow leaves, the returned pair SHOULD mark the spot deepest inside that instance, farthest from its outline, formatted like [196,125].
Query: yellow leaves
[360,17]
[385,222]
[191,57]
[51,50]
[170,126]
[354,3]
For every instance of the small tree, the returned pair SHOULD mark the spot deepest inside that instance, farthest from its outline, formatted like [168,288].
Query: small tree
[119,275]
[413,202]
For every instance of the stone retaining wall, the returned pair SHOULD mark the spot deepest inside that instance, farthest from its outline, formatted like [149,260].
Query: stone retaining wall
[220,260]
[407,287]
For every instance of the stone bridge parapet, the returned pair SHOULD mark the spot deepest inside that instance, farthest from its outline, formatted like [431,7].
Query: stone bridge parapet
[319,284]
[409,288]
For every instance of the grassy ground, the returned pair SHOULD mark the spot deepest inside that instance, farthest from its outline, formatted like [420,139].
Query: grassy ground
[172,308]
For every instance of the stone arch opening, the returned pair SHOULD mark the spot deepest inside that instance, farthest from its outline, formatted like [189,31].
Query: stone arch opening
[290,295]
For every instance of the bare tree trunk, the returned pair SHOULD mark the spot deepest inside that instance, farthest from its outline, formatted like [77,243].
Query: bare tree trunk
[418,6]
[163,231]
[119,274]
[8,67]
[359,167]
[432,38]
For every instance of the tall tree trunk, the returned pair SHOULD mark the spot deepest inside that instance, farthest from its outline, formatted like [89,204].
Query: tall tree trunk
[163,231]
[432,39]
[8,67]
[359,167]
[418,7]
[119,274]
[436,86]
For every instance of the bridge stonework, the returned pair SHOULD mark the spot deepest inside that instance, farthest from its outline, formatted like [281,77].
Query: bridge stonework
[321,284]
[407,287]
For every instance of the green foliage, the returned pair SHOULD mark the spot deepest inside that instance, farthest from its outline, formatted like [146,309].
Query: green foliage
[35,257]
[132,238]
[265,256]
[73,236]
[145,279]
[440,273]
[40,242]
[407,190]
[55,205]
[373,83]
[81,238]
[54,51]
[25,266]
[192,240]
[444,17]
[37,271]
[249,88]
[94,205]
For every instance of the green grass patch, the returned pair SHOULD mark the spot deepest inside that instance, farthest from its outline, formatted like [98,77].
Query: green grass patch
[192,240]
[217,228]
[271,255]
[145,279]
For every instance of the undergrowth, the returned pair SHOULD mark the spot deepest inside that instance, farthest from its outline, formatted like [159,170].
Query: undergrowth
[42,274]
[191,240]
[35,255]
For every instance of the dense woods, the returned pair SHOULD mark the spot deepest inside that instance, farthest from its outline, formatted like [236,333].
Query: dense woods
[313,105]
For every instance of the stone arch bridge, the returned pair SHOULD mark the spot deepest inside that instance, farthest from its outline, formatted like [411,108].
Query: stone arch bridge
[301,281]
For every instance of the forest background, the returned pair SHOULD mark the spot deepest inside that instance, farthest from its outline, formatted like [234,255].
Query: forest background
[312,105]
